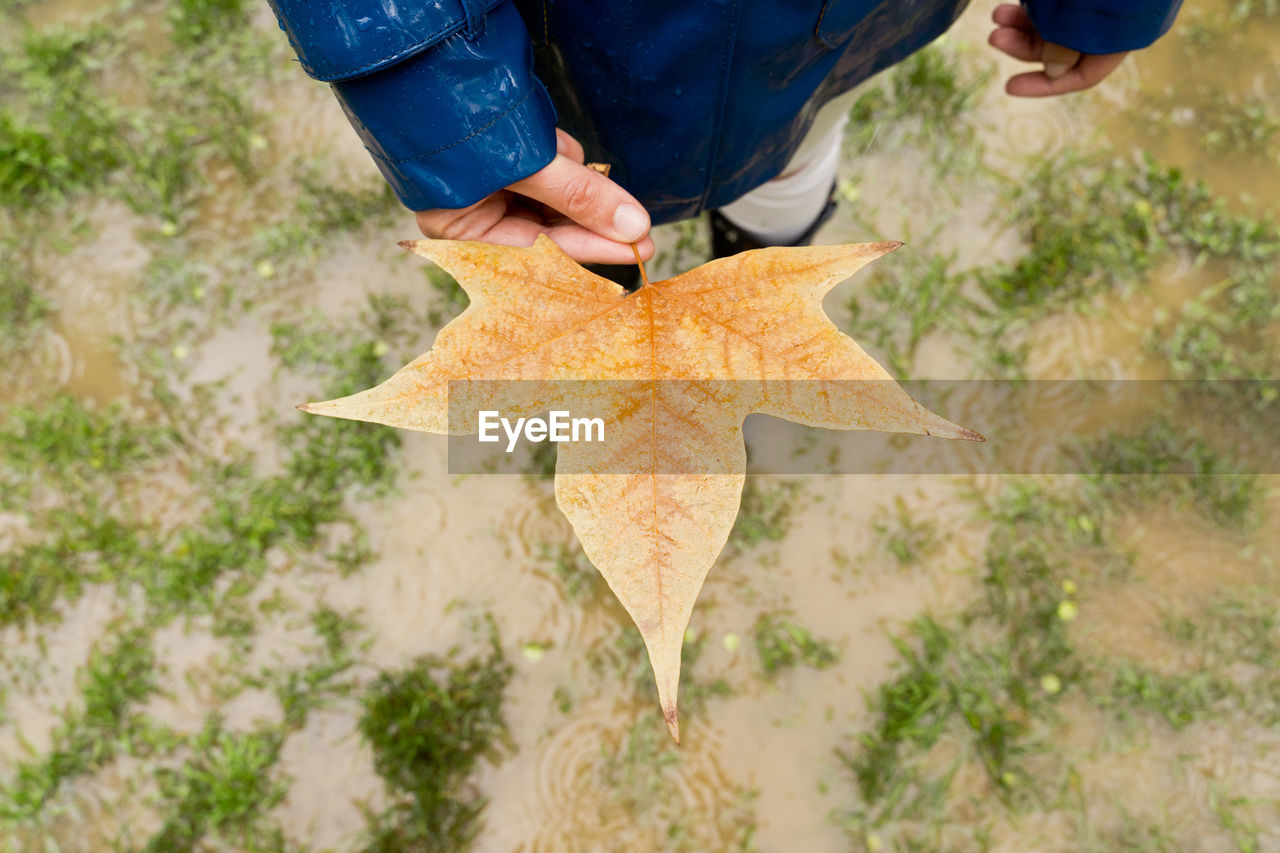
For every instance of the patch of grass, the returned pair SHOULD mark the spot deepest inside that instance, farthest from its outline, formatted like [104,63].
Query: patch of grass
[765,513]
[579,578]
[1087,229]
[690,248]
[1238,633]
[451,299]
[1178,699]
[210,560]
[907,539]
[906,299]
[81,547]
[303,689]
[927,101]
[783,643]
[429,725]
[636,773]
[1095,223]
[74,447]
[983,686]
[23,309]
[223,793]
[195,21]
[66,131]
[68,143]
[987,680]
[1233,815]
[1162,461]
[116,678]
[337,451]
[1239,125]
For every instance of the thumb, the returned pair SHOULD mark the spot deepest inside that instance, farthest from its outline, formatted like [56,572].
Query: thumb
[588,198]
[1058,60]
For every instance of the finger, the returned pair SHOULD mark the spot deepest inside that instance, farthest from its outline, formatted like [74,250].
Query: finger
[588,198]
[1017,43]
[569,147]
[464,223]
[1010,15]
[579,243]
[584,246]
[1058,60]
[1091,70]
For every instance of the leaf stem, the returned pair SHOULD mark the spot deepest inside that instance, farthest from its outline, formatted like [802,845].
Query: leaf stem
[644,277]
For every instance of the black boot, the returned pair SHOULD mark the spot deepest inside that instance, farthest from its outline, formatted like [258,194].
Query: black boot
[627,275]
[728,239]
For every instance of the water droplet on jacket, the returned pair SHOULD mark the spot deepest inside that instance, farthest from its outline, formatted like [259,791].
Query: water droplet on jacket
[363,24]
[679,91]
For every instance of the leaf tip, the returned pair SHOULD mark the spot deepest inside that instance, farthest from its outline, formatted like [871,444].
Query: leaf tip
[303,407]
[673,721]
[408,245]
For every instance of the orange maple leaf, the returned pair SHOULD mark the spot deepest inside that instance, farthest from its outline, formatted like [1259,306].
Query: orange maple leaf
[654,505]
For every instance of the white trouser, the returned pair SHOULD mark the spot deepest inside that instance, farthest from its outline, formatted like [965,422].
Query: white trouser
[779,211]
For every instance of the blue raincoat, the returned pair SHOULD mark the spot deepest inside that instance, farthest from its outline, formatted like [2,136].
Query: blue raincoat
[693,102]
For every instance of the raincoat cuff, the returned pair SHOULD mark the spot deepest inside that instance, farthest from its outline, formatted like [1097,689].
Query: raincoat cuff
[1102,26]
[456,122]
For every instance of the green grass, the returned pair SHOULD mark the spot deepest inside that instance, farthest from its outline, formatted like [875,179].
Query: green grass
[784,643]
[765,512]
[65,132]
[579,578]
[117,677]
[905,537]
[24,311]
[429,725]
[984,679]
[1177,699]
[1163,462]
[223,792]
[1237,631]
[1087,229]
[1094,224]
[209,562]
[910,294]
[197,21]
[926,101]
[1242,9]
[71,448]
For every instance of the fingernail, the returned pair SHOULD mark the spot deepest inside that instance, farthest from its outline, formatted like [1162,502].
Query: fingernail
[630,222]
[1054,70]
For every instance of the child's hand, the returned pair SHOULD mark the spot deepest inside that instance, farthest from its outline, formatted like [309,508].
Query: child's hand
[1065,70]
[588,215]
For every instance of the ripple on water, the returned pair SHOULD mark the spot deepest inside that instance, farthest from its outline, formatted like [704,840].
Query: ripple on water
[531,523]
[1037,128]
[536,537]
[579,807]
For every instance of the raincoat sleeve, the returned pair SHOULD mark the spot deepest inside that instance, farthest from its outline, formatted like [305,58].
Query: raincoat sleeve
[442,92]
[1102,26]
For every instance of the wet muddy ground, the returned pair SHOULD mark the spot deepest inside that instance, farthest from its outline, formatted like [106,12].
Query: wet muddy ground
[221,622]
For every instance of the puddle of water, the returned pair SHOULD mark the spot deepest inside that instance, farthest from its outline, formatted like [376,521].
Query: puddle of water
[38,669]
[1172,94]
[90,283]
[479,541]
